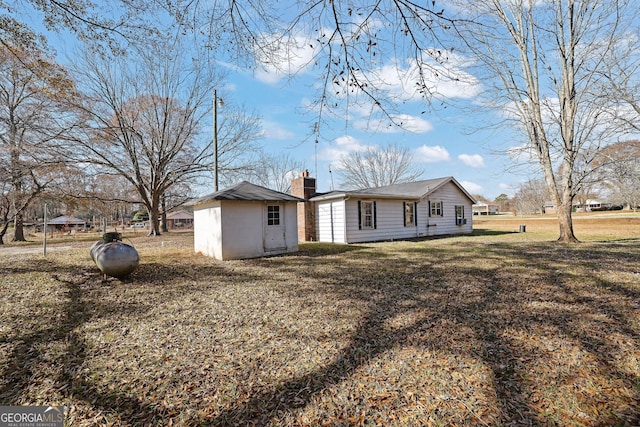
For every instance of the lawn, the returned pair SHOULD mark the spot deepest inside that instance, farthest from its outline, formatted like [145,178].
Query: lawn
[499,328]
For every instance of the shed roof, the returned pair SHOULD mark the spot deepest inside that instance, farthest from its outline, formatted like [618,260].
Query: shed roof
[248,192]
[406,190]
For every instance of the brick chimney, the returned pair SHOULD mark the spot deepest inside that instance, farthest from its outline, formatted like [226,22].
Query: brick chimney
[305,188]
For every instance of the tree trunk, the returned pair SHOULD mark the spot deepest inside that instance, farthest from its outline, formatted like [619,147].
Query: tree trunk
[18,230]
[165,229]
[154,210]
[565,221]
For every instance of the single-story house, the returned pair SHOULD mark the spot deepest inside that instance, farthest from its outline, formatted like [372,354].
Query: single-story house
[549,208]
[590,205]
[245,221]
[179,220]
[66,223]
[483,208]
[414,209]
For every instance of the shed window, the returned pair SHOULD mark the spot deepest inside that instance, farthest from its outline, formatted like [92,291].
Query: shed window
[273,215]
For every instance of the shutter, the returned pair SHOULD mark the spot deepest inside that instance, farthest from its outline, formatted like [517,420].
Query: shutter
[429,208]
[415,213]
[441,208]
[404,213]
[359,215]
[375,219]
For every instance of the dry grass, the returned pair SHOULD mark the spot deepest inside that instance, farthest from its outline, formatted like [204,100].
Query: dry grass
[499,328]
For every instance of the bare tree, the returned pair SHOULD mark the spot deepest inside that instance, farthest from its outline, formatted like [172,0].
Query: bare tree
[112,25]
[33,122]
[617,169]
[377,167]
[530,197]
[275,171]
[238,133]
[621,74]
[147,111]
[542,63]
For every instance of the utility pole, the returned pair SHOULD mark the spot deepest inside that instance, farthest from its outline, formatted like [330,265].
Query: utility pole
[215,137]
[44,232]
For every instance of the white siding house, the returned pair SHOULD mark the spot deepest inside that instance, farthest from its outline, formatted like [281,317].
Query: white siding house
[245,221]
[401,211]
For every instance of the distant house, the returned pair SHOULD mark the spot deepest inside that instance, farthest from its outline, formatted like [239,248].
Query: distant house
[180,220]
[549,208]
[414,209]
[66,223]
[577,206]
[245,221]
[482,208]
[588,206]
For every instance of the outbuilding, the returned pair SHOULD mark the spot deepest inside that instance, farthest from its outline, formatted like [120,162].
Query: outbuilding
[245,221]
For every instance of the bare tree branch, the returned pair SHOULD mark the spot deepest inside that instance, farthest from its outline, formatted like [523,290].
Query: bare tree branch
[377,167]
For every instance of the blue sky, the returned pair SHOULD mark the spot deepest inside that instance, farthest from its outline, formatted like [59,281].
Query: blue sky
[444,141]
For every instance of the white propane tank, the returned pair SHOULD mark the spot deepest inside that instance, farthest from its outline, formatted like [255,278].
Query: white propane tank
[114,258]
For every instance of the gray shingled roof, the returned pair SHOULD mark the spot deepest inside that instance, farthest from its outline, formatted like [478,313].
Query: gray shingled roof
[406,190]
[415,189]
[247,191]
[66,220]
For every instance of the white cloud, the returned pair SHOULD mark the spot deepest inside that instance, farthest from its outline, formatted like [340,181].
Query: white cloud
[473,160]
[471,187]
[407,123]
[402,81]
[294,55]
[428,154]
[273,130]
[341,147]
[522,154]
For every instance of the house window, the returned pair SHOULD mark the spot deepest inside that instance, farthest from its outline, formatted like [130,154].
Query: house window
[367,214]
[273,215]
[460,220]
[409,214]
[436,209]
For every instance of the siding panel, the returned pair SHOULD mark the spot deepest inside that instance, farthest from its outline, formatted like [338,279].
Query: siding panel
[339,220]
[389,222]
[330,221]
[450,196]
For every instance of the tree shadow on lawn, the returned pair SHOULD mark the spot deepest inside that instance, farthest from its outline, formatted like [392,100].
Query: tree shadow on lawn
[39,349]
[490,232]
[490,311]
[517,316]
[318,249]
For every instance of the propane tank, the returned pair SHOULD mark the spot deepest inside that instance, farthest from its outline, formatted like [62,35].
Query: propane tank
[114,258]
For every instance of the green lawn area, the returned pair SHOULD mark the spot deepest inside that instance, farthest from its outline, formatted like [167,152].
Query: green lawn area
[499,328]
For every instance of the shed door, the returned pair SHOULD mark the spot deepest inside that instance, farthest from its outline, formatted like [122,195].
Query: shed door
[274,235]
